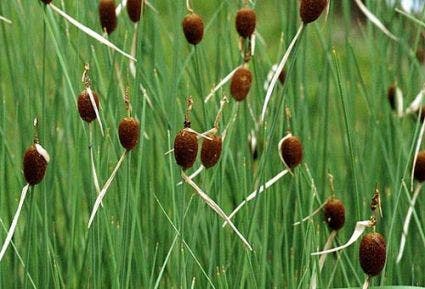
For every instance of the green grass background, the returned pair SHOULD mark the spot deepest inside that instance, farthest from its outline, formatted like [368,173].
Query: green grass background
[154,234]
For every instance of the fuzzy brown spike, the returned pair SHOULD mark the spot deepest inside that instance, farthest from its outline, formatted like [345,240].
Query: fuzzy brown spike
[134,10]
[46,1]
[193,28]
[310,10]
[372,253]
[107,16]
[129,132]
[241,83]
[34,165]
[419,172]
[211,151]
[391,95]
[245,22]
[291,151]
[185,148]
[85,107]
[334,213]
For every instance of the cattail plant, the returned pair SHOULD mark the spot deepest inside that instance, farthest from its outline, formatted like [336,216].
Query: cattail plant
[185,151]
[35,162]
[245,23]
[372,255]
[310,11]
[108,18]
[291,154]
[128,133]
[46,1]
[419,175]
[193,26]
[134,9]
[395,99]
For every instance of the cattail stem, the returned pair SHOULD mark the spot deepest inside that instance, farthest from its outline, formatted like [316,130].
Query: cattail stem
[220,84]
[407,222]
[14,222]
[366,282]
[215,207]
[90,32]
[279,70]
[105,188]
[254,194]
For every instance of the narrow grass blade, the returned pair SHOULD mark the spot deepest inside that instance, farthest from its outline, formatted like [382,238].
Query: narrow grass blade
[278,71]
[372,18]
[14,222]
[358,231]
[407,222]
[215,207]
[254,194]
[416,103]
[105,188]
[5,19]
[90,32]
[410,17]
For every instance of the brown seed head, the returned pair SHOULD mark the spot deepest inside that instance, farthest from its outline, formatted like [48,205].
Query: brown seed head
[46,1]
[245,22]
[35,166]
[282,76]
[334,213]
[211,151]
[134,10]
[291,151]
[391,95]
[419,172]
[193,28]
[107,16]
[129,132]
[241,83]
[420,55]
[372,253]
[85,107]
[185,148]
[310,10]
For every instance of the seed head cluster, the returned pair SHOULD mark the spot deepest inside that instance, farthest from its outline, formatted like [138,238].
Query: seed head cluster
[241,83]
[291,151]
[334,213]
[245,22]
[129,132]
[419,171]
[310,10]
[85,107]
[193,28]
[211,151]
[134,10]
[185,148]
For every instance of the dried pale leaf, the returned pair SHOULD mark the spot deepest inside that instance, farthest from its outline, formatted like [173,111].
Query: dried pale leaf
[5,19]
[102,193]
[90,32]
[14,222]
[42,152]
[399,102]
[358,231]
[220,84]
[254,194]
[372,18]
[278,71]
[96,110]
[194,175]
[315,212]
[416,104]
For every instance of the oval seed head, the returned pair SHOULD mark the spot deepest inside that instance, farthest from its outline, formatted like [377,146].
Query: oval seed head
[310,10]
[134,10]
[185,148]
[291,151]
[420,55]
[372,253]
[282,76]
[211,151]
[334,213]
[419,171]
[193,28]
[35,164]
[46,1]
[391,94]
[245,22]
[241,83]
[107,16]
[129,132]
[85,107]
